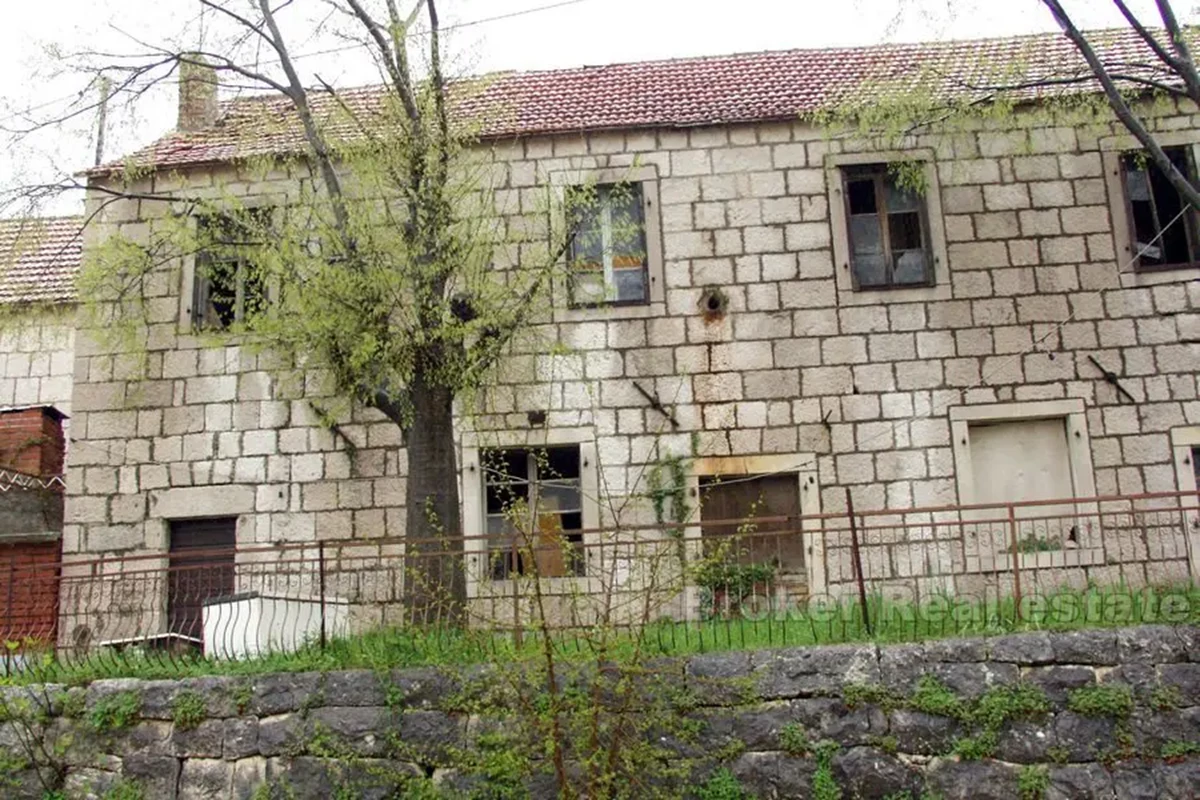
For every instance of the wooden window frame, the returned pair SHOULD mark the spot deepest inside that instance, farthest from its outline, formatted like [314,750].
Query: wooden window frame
[607,265]
[577,568]
[848,294]
[201,284]
[878,173]
[1190,222]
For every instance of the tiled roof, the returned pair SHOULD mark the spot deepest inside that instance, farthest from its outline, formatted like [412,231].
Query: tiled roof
[39,259]
[676,93]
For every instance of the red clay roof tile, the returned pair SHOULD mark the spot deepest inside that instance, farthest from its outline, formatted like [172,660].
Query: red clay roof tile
[676,93]
[39,259]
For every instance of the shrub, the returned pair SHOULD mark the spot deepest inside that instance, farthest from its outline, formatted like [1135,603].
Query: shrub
[974,748]
[1002,703]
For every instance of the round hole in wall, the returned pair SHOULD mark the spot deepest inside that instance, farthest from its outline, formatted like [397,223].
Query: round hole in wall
[713,303]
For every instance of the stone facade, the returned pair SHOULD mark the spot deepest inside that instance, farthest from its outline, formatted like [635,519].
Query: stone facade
[856,388]
[37,359]
[371,734]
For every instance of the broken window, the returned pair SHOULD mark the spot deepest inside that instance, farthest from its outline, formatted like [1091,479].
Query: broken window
[607,256]
[227,287]
[534,509]
[889,235]
[1164,228]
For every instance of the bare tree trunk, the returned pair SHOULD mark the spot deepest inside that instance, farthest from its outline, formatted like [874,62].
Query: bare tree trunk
[435,580]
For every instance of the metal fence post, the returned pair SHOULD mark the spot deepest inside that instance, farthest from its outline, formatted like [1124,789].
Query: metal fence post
[858,569]
[1016,558]
[321,580]
[513,575]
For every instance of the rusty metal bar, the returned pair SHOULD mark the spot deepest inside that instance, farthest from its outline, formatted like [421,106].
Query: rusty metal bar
[321,581]
[858,568]
[1016,558]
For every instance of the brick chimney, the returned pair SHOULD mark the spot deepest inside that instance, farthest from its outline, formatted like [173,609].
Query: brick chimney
[32,441]
[198,106]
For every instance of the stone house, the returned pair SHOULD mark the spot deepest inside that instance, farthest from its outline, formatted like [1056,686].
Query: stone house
[797,319]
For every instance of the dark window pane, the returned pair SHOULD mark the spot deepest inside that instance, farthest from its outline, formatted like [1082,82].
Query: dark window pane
[1161,228]
[229,287]
[861,194]
[870,269]
[216,293]
[507,465]
[1137,184]
[905,231]
[912,267]
[865,236]
[561,462]
[899,199]
[1168,204]
[503,496]
[630,284]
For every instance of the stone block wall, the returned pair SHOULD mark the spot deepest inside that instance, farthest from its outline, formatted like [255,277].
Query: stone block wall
[1084,714]
[37,359]
[856,385]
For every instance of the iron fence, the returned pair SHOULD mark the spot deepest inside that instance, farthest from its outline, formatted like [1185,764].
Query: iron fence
[912,572]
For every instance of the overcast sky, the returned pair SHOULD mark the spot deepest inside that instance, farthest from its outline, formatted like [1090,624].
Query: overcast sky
[37,39]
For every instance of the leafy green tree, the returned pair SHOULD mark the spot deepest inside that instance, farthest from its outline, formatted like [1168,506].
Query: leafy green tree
[375,272]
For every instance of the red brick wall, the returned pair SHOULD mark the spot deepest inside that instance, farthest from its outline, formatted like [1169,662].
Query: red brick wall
[31,441]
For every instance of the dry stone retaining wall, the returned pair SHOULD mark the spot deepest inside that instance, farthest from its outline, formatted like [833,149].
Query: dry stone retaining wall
[363,734]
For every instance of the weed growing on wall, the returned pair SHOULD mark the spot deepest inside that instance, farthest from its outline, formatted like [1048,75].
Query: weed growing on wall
[187,710]
[793,738]
[1032,782]
[722,785]
[1114,701]
[115,711]
[824,787]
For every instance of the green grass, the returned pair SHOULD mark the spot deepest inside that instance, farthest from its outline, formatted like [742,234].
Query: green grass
[835,623]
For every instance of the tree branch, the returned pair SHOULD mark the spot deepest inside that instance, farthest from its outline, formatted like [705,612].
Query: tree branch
[1121,107]
[299,98]
[1185,65]
[1190,79]
[392,59]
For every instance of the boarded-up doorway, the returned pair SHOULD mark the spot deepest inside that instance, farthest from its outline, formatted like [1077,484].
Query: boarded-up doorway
[29,576]
[201,568]
[749,498]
